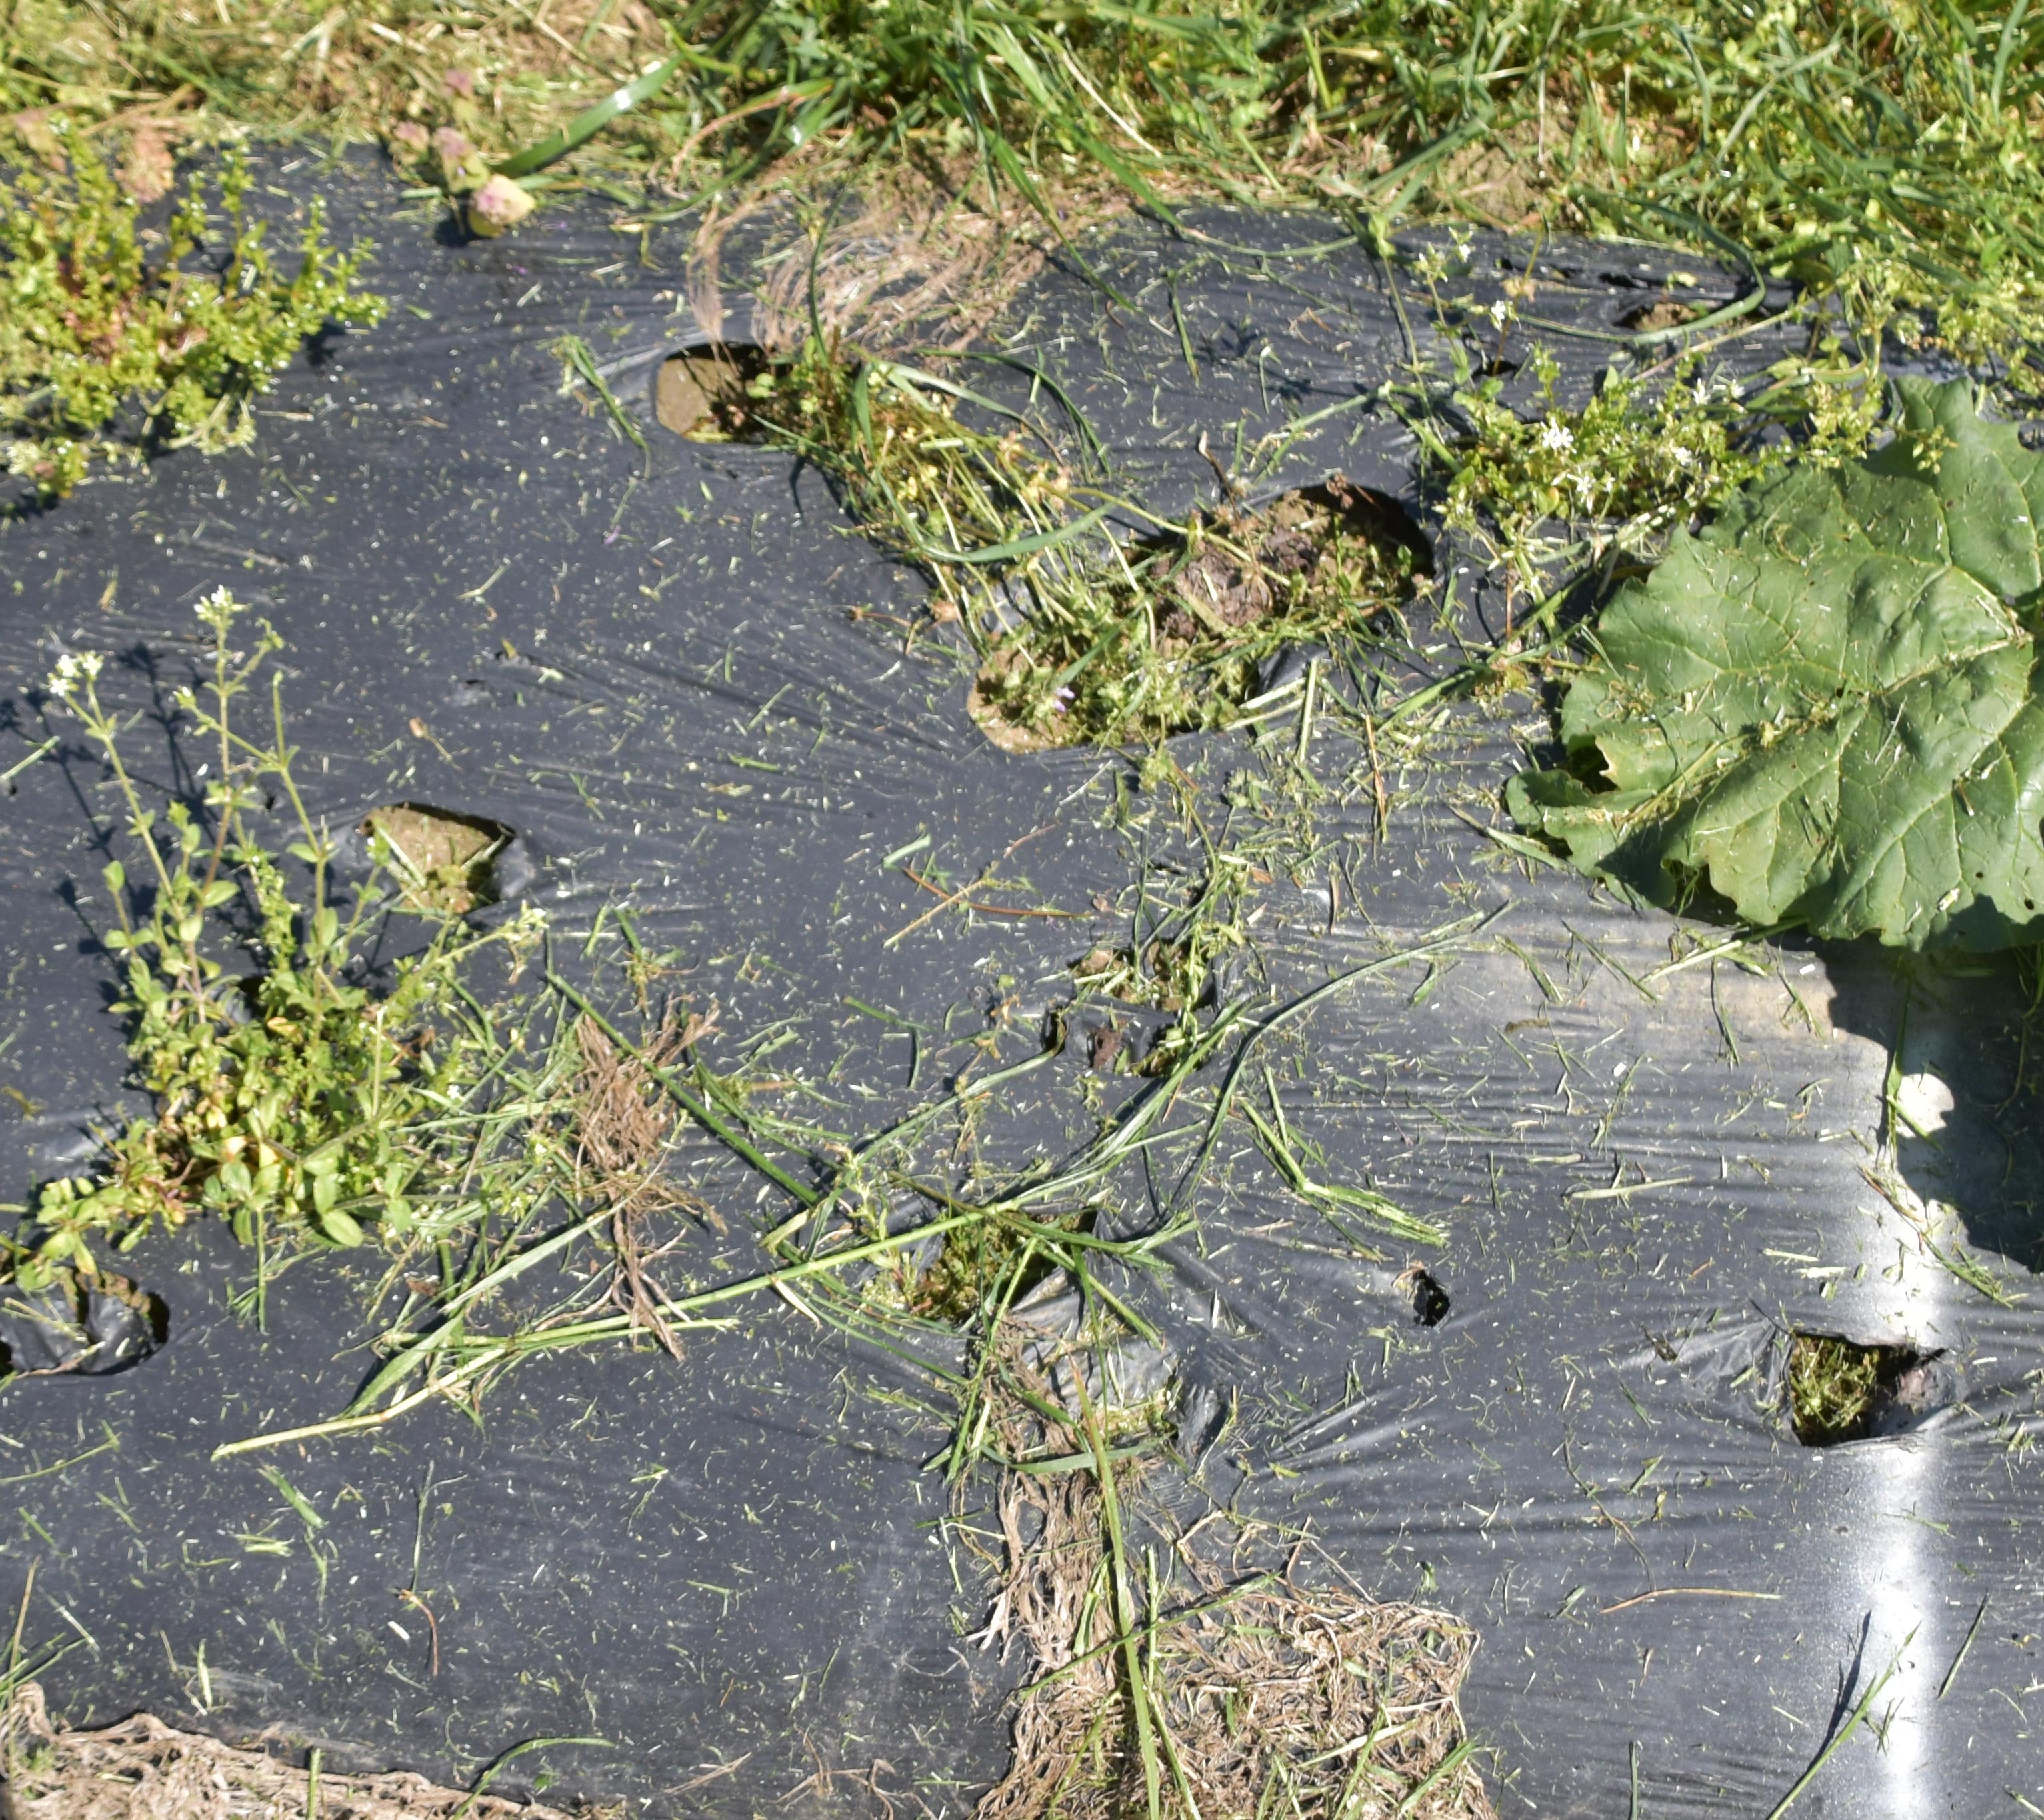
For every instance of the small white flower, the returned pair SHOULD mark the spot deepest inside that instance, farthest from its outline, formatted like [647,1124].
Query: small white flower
[1682,456]
[72,669]
[1558,436]
[218,609]
[1500,313]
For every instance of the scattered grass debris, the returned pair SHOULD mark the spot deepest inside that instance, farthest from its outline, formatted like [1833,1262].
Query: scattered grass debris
[290,1100]
[623,1126]
[115,341]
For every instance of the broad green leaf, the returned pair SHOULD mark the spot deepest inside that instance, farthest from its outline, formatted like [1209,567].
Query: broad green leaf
[1824,705]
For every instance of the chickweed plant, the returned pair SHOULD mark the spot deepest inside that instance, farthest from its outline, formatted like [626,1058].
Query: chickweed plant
[290,1100]
[95,326]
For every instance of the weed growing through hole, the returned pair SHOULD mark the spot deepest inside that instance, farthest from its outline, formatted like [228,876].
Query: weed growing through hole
[290,1101]
[1082,639]
[1635,460]
[93,324]
[1170,635]
[929,488]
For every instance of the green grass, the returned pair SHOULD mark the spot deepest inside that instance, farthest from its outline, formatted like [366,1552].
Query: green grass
[1881,155]
[1883,159]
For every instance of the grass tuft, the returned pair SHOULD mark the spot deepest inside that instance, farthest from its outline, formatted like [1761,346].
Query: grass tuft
[1883,157]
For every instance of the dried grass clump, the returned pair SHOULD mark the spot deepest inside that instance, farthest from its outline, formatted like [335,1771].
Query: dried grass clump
[143,1769]
[623,1126]
[1264,1696]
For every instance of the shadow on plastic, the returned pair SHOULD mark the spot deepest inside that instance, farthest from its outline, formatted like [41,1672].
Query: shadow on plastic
[79,1331]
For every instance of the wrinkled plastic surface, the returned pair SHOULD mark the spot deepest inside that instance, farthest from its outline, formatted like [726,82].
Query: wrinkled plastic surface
[730,1567]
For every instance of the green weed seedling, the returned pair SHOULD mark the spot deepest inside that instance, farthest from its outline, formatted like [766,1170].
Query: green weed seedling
[1634,462]
[293,1101]
[96,332]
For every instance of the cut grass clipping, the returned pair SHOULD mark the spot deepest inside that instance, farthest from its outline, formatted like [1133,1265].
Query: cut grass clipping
[309,1108]
[113,339]
[1820,708]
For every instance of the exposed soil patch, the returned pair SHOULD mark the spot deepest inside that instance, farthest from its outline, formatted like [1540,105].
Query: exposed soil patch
[1170,635]
[1663,312]
[443,859]
[709,394]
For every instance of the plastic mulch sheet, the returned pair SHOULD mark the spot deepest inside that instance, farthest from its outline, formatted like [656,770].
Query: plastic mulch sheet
[731,1568]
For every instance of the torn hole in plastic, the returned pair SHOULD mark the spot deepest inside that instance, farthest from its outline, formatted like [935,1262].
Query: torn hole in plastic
[1664,313]
[1837,1389]
[702,394]
[75,1329]
[1430,1302]
[1209,599]
[441,859]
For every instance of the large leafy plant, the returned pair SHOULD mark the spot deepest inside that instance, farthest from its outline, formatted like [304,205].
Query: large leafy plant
[1823,706]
